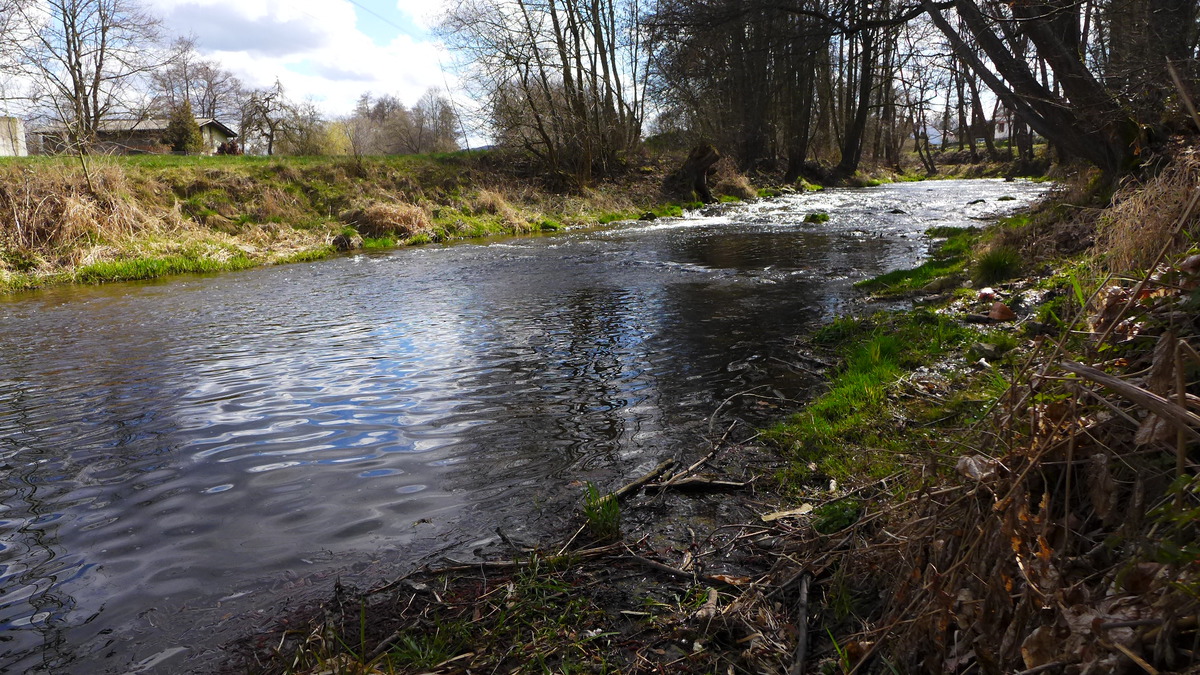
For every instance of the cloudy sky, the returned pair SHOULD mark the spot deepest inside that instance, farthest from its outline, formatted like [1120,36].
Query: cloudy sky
[328,50]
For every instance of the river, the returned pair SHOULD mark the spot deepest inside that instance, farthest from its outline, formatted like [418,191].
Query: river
[180,459]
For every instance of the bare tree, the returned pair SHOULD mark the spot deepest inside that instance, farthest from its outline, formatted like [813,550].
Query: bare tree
[86,58]
[210,89]
[263,114]
[562,79]
[10,37]
[431,126]
[301,130]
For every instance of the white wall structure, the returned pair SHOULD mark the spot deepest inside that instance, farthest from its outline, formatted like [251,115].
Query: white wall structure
[12,137]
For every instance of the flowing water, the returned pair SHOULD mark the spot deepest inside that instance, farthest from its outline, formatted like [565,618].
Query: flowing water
[179,459]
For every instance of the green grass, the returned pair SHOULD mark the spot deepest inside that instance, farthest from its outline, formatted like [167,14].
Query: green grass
[996,265]
[377,243]
[848,432]
[602,514]
[729,199]
[614,216]
[150,268]
[308,255]
[817,217]
[949,258]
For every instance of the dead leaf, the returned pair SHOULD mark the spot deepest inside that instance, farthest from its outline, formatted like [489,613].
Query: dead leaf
[976,467]
[1102,489]
[709,609]
[803,509]
[1001,312]
[1039,648]
[1161,379]
[1191,264]
[731,580]
[1154,428]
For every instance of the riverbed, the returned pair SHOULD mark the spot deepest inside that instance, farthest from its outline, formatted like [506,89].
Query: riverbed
[181,458]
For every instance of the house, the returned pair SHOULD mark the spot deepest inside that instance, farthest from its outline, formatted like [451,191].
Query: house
[1002,129]
[936,137]
[135,137]
[12,137]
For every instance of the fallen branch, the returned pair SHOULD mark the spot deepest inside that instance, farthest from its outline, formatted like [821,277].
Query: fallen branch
[697,484]
[517,564]
[661,567]
[802,626]
[625,491]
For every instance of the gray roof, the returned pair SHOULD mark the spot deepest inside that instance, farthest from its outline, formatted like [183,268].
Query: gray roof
[148,124]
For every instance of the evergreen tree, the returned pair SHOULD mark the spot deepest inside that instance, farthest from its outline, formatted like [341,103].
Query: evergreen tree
[183,134]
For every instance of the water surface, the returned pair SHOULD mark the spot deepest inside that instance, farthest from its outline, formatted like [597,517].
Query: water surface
[176,455]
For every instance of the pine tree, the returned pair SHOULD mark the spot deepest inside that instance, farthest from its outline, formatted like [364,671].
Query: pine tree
[183,134]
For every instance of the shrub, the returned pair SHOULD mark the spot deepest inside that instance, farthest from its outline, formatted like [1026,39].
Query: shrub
[817,217]
[490,202]
[728,182]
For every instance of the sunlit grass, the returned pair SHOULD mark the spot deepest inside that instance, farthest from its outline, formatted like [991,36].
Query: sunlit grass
[849,431]
[948,258]
[150,268]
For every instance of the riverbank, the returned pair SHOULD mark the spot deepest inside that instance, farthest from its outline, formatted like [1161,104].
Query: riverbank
[126,218]
[141,217]
[968,493]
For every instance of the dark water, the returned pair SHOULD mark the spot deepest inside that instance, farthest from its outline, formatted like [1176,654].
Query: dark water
[175,456]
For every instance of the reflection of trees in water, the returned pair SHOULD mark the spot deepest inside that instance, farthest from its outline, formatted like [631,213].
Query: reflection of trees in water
[567,383]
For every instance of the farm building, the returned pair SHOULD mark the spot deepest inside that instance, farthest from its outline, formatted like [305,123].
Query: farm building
[12,137]
[136,137]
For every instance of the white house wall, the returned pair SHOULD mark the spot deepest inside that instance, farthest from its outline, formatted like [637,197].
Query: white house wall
[12,137]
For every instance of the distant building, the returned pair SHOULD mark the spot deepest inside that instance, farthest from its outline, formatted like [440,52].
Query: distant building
[135,137]
[1002,130]
[936,137]
[12,137]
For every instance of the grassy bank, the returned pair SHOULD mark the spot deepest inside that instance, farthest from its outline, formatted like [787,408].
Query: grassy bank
[139,217]
[146,216]
[1009,495]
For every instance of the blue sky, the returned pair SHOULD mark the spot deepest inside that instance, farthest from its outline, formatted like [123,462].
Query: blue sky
[327,51]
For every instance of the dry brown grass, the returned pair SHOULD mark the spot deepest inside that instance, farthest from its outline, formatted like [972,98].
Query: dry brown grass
[492,202]
[1146,216]
[50,215]
[729,182]
[379,219]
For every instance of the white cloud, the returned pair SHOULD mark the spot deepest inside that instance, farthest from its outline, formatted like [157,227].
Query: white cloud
[424,13]
[312,46]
